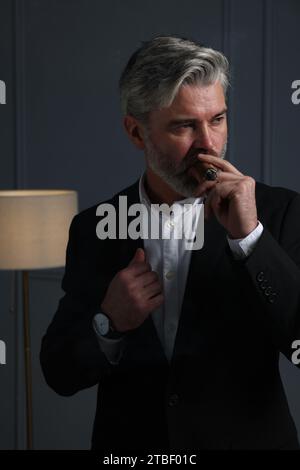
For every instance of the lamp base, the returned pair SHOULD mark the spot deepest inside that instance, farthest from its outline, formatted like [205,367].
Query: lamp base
[27,356]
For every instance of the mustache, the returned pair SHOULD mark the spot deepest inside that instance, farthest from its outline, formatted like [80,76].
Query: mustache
[191,158]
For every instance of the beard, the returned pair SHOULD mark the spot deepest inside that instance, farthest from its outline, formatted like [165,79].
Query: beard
[175,174]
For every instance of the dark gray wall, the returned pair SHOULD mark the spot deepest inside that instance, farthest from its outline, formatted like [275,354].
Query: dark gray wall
[61,128]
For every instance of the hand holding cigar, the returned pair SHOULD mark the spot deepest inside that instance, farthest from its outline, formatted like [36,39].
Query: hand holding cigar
[230,195]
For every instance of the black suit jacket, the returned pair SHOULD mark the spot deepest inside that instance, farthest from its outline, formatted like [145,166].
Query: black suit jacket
[222,389]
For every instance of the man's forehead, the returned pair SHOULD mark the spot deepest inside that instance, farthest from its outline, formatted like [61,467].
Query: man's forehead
[194,100]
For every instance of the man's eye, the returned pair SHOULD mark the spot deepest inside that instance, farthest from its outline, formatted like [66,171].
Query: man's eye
[182,127]
[218,119]
[187,124]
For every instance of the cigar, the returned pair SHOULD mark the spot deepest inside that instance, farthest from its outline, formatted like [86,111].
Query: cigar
[207,171]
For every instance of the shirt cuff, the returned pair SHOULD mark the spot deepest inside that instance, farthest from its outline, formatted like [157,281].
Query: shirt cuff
[112,348]
[243,247]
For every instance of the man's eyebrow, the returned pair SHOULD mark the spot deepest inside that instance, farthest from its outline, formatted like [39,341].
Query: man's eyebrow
[183,119]
[222,112]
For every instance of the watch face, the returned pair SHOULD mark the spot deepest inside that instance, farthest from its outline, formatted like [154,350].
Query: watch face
[101,323]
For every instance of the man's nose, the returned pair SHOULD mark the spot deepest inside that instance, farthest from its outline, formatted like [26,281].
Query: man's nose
[203,138]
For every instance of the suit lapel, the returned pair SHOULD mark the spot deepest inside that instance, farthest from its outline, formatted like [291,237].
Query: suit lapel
[203,266]
[127,247]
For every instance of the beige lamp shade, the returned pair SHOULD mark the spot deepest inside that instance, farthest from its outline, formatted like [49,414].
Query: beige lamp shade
[34,227]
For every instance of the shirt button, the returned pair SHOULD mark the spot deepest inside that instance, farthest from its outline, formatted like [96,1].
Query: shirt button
[268,291]
[272,297]
[170,275]
[264,284]
[173,399]
[170,224]
[261,276]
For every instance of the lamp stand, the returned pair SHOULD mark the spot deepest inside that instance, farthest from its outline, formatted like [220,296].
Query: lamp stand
[27,355]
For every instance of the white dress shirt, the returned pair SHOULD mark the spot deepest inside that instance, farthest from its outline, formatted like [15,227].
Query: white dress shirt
[169,257]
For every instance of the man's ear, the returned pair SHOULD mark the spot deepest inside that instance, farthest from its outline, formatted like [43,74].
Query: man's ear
[134,131]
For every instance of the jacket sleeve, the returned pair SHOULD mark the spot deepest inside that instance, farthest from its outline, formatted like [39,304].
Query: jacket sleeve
[70,355]
[274,270]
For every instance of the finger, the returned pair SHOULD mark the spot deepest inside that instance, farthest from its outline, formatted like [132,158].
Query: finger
[198,171]
[234,188]
[223,176]
[222,190]
[138,269]
[139,257]
[148,278]
[155,302]
[219,193]
[224,165]
[206,186]
[152,290]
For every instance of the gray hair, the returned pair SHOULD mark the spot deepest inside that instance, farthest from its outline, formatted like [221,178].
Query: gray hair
[156,71]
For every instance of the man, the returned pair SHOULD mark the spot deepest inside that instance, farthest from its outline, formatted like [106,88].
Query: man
[184,344]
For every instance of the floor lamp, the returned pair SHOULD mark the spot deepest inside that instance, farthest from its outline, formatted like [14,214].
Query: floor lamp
[34,234]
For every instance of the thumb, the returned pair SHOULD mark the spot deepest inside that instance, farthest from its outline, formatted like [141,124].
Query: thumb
[139,257]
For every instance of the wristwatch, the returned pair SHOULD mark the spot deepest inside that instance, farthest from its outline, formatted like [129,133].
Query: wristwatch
[103,326]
